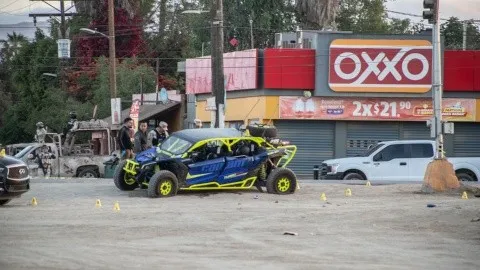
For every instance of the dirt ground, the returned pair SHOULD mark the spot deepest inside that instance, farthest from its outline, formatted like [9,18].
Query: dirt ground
[378,227]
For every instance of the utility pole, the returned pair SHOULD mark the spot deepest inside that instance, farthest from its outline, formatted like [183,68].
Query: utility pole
[62,19]
[63,36]
[111,48]
[157,86]
[437,124]
[251,32]
[62,12]
[63,29]
[218,85]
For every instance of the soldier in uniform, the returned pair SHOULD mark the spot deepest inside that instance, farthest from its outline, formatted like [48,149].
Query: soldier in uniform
[41,132]
[44,156]
[157,135]
[72,126]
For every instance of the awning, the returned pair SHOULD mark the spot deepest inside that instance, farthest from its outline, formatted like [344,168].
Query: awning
[146,112]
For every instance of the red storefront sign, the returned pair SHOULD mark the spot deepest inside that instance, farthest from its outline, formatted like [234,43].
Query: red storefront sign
[392,66]
[374,109]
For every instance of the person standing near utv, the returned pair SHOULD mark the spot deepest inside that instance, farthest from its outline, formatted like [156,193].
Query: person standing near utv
[140,138]
[124,140]
[158,135]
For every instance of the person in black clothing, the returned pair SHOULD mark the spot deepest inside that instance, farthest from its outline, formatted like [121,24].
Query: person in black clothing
[126,146]
[140,138]
[158,135]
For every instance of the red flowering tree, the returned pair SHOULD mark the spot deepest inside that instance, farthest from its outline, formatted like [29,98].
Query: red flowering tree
[128,37]
[129,43]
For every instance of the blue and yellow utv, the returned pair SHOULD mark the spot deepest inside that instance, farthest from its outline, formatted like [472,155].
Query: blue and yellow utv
[207,159]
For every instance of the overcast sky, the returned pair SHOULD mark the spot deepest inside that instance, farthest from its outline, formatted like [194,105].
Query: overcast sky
[15,11]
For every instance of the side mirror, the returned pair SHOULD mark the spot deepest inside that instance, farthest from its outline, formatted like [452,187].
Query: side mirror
[30,156]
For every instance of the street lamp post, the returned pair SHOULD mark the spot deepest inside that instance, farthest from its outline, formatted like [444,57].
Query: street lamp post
[91,31]
[112,59]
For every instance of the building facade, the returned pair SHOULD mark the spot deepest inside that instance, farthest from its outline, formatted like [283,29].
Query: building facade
[345,93]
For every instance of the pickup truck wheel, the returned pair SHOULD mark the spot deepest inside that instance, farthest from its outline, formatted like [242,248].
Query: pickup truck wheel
[353,176]
[281,181]
[88,173]
[3,202]
[163,184]
[465,177]
[123,180]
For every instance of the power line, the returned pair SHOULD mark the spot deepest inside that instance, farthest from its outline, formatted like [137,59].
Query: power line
[8,12]
[14,1]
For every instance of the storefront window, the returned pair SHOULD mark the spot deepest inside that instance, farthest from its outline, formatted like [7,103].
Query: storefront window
[234,124]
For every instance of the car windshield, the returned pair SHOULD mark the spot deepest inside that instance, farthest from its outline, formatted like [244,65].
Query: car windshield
[372,149]
[175,145]
[25,150]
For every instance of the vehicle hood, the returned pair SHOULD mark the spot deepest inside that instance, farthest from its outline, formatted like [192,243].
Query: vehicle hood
[347,160]
[150,155]
[10,160]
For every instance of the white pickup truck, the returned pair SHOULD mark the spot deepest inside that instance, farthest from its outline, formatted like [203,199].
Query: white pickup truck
[396,161]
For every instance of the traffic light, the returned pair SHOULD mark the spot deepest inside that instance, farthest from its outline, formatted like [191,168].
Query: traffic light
[431,13]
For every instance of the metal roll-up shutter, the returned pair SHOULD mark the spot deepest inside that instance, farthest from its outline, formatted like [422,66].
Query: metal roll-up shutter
[315,141]
[362,134]
[466,140]
[415,131]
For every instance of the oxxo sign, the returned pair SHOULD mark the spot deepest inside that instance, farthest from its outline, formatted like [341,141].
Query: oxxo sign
[389,66]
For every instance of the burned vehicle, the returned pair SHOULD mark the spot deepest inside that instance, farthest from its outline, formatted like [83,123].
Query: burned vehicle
[14,178]
[206,159]
[84,157]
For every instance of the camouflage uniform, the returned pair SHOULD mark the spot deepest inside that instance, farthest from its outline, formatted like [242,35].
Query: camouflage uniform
[41,132]
[44,158]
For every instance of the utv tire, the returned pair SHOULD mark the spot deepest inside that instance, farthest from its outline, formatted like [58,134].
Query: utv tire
[353,176]
[281,181]
[262,131]
[3,202]
[162,184]
[123,180]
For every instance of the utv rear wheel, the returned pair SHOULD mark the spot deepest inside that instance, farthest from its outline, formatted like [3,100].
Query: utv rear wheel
[281,181]
[123,180]
[163,184]
[3,202]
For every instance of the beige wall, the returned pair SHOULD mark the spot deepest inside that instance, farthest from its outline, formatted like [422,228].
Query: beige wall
[243,109]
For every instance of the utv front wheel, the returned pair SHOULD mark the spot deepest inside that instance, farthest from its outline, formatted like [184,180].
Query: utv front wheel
[123,180]
[281,181]
[163,184]
[3,202]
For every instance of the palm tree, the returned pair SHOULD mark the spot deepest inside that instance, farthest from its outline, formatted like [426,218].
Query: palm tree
[11,45]
[319,13]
